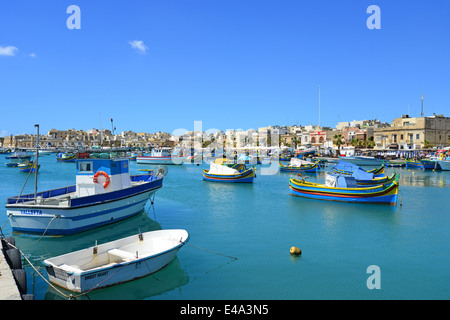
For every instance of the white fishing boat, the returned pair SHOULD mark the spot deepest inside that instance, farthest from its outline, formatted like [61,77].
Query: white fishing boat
[160,156]
[19,157]
[116,261]
[444,164]
[362,160]
[104,193]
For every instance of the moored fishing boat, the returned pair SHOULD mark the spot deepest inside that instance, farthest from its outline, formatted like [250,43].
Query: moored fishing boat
[66,157]
[117,261]
[362,160]
[28,167]
[284,157]
[297,165]
[412,164]
[444,163]
[104,193]
[396,163]
[160,156]
[224,173]
[344,189]
[431,164]
[305,153]
[18,157]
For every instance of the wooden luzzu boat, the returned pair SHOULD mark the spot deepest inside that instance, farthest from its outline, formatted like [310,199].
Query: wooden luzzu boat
[412,164]
[223,173]
[297,165]
[344,189]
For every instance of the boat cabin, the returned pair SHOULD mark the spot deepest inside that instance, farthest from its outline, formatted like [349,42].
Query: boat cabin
[96,176]
[340,181]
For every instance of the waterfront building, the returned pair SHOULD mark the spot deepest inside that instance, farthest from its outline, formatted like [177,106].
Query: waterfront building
[407,133]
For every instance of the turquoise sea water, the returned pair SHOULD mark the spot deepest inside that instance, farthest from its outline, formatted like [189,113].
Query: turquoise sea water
[240,236]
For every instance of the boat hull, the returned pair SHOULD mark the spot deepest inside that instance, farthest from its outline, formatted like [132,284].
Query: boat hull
[414,165]
[430,164]
[444,164]
[309,169]
[384,194]
[159,160]
[115,268]
[362,161]
[246,176]
[80,214]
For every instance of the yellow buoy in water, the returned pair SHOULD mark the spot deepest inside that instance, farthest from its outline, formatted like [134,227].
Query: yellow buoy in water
[295,250]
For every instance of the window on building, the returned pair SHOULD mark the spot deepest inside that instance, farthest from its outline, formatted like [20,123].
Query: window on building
[313,140]
[394,138]
[401,137]
[418,136]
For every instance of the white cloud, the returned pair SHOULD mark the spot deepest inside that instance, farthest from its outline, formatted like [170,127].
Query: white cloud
[32,55]
[139,46]
[8,51]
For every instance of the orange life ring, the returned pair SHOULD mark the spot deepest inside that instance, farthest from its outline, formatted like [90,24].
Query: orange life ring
[104,174]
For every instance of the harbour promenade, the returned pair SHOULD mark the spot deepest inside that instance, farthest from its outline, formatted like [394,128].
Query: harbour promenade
[8,286]
[13,278]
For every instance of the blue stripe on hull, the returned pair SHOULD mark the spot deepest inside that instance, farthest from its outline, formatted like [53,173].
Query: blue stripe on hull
[250,179]
[392,199]
[66,232]
[299,170]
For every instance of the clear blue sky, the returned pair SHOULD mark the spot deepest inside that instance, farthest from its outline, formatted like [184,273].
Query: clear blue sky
[233,64]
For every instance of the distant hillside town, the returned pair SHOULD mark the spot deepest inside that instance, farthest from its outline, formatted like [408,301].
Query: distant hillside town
[404,133]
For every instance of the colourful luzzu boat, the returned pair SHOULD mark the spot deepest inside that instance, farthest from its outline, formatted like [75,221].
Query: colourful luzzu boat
[284,157]
[27,167]
[411,164]
[344,189]
[297,165]
[66,157]
[223,173]
[431,164]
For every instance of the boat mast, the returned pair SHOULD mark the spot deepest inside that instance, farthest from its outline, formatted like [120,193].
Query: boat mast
[319,105]
[36,164]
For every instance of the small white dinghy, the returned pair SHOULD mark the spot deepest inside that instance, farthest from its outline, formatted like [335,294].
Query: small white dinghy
[116,261]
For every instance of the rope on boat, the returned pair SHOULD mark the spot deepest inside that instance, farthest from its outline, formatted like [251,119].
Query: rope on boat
[56,216]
